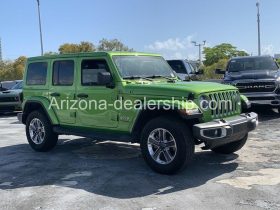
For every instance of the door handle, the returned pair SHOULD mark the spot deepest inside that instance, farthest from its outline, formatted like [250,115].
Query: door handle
[55,94]
[82,95]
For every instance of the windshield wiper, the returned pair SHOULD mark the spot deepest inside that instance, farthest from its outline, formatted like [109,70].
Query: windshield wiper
[137,77]
[171,79]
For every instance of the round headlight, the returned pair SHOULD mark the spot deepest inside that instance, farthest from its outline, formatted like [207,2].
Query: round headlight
[204,102]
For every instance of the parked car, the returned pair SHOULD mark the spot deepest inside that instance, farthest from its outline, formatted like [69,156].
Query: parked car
[257,77]
[195,64]
[185,70]
[7,85]
[168,117]
[10,100]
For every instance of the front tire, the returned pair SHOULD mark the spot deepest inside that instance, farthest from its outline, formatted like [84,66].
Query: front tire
[39,132]
[167,145]
[231,147]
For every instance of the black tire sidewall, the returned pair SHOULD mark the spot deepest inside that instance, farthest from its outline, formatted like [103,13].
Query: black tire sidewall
[50,138]
[184,144]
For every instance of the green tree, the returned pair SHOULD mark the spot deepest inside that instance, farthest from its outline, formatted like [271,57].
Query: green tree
[278,61]
[112,45]
[76,48]
[222,51]
[50,53]
[12,70]
[209,71]
[18,68]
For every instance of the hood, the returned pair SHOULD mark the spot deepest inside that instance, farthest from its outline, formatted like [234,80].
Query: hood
[177,89]
[10,92]
[252,74]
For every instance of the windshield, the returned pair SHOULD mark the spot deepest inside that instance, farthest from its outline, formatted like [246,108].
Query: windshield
[17,86]
[245,64]
[189,67]
[178,66]
[181,67]
[142,66]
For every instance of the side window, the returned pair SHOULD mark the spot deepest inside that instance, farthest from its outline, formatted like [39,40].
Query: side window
[37,73]
[63,73]
[90,70]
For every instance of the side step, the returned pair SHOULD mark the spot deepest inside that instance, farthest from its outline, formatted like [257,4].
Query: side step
[96,135]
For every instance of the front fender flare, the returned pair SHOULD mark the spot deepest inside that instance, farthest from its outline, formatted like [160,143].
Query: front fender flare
[41,102]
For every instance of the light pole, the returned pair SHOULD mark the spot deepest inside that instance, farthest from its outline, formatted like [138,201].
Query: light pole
[199,45]
[259,30]
[40,28]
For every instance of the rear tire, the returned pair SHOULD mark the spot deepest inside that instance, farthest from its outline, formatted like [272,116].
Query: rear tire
[39,132]
[231,147]
[167,145]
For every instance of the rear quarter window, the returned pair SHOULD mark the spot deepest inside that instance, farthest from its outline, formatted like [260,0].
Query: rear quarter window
[37,73]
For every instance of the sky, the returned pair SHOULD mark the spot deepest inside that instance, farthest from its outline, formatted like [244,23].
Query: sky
[163,26]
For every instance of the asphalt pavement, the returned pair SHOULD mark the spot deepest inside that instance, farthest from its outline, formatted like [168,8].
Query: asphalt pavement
[81,173]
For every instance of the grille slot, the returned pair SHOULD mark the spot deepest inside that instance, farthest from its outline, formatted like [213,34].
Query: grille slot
[9,99]
[224,104]
[252,87]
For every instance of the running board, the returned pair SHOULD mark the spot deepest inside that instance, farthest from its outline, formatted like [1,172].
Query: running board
[96,135]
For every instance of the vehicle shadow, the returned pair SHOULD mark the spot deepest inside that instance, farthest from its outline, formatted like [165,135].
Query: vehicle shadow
[265,113]
[8,115]
[104,168]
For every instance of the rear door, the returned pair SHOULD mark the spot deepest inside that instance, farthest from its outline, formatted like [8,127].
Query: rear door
[62,89]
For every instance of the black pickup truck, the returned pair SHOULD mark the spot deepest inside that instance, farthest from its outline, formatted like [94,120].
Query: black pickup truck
[257,77]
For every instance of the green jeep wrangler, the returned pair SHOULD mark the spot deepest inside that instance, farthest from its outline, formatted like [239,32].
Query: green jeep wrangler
[131,97]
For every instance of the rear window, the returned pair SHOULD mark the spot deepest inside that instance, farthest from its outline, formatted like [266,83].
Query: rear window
[37,73]
[63,73]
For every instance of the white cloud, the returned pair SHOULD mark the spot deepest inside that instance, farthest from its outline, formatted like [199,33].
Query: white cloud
[268,49]
[175,48]
[171,44]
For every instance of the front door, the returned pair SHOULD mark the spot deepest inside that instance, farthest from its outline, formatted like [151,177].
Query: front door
[95,101]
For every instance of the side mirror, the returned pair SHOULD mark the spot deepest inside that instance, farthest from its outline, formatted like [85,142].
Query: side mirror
[220,71]
[199,72]
[105,79]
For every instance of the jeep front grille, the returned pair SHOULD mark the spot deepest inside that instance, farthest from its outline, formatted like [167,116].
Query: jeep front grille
[252,87]
[227,104]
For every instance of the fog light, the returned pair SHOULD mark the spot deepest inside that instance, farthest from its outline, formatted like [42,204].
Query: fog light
[214,133]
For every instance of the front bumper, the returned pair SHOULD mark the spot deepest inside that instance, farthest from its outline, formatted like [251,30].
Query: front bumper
[223,131]
[10,107]
[271,99]
[19,117]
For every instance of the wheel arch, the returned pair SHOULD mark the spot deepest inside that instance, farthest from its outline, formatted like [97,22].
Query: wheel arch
[145,116]
[42,105]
